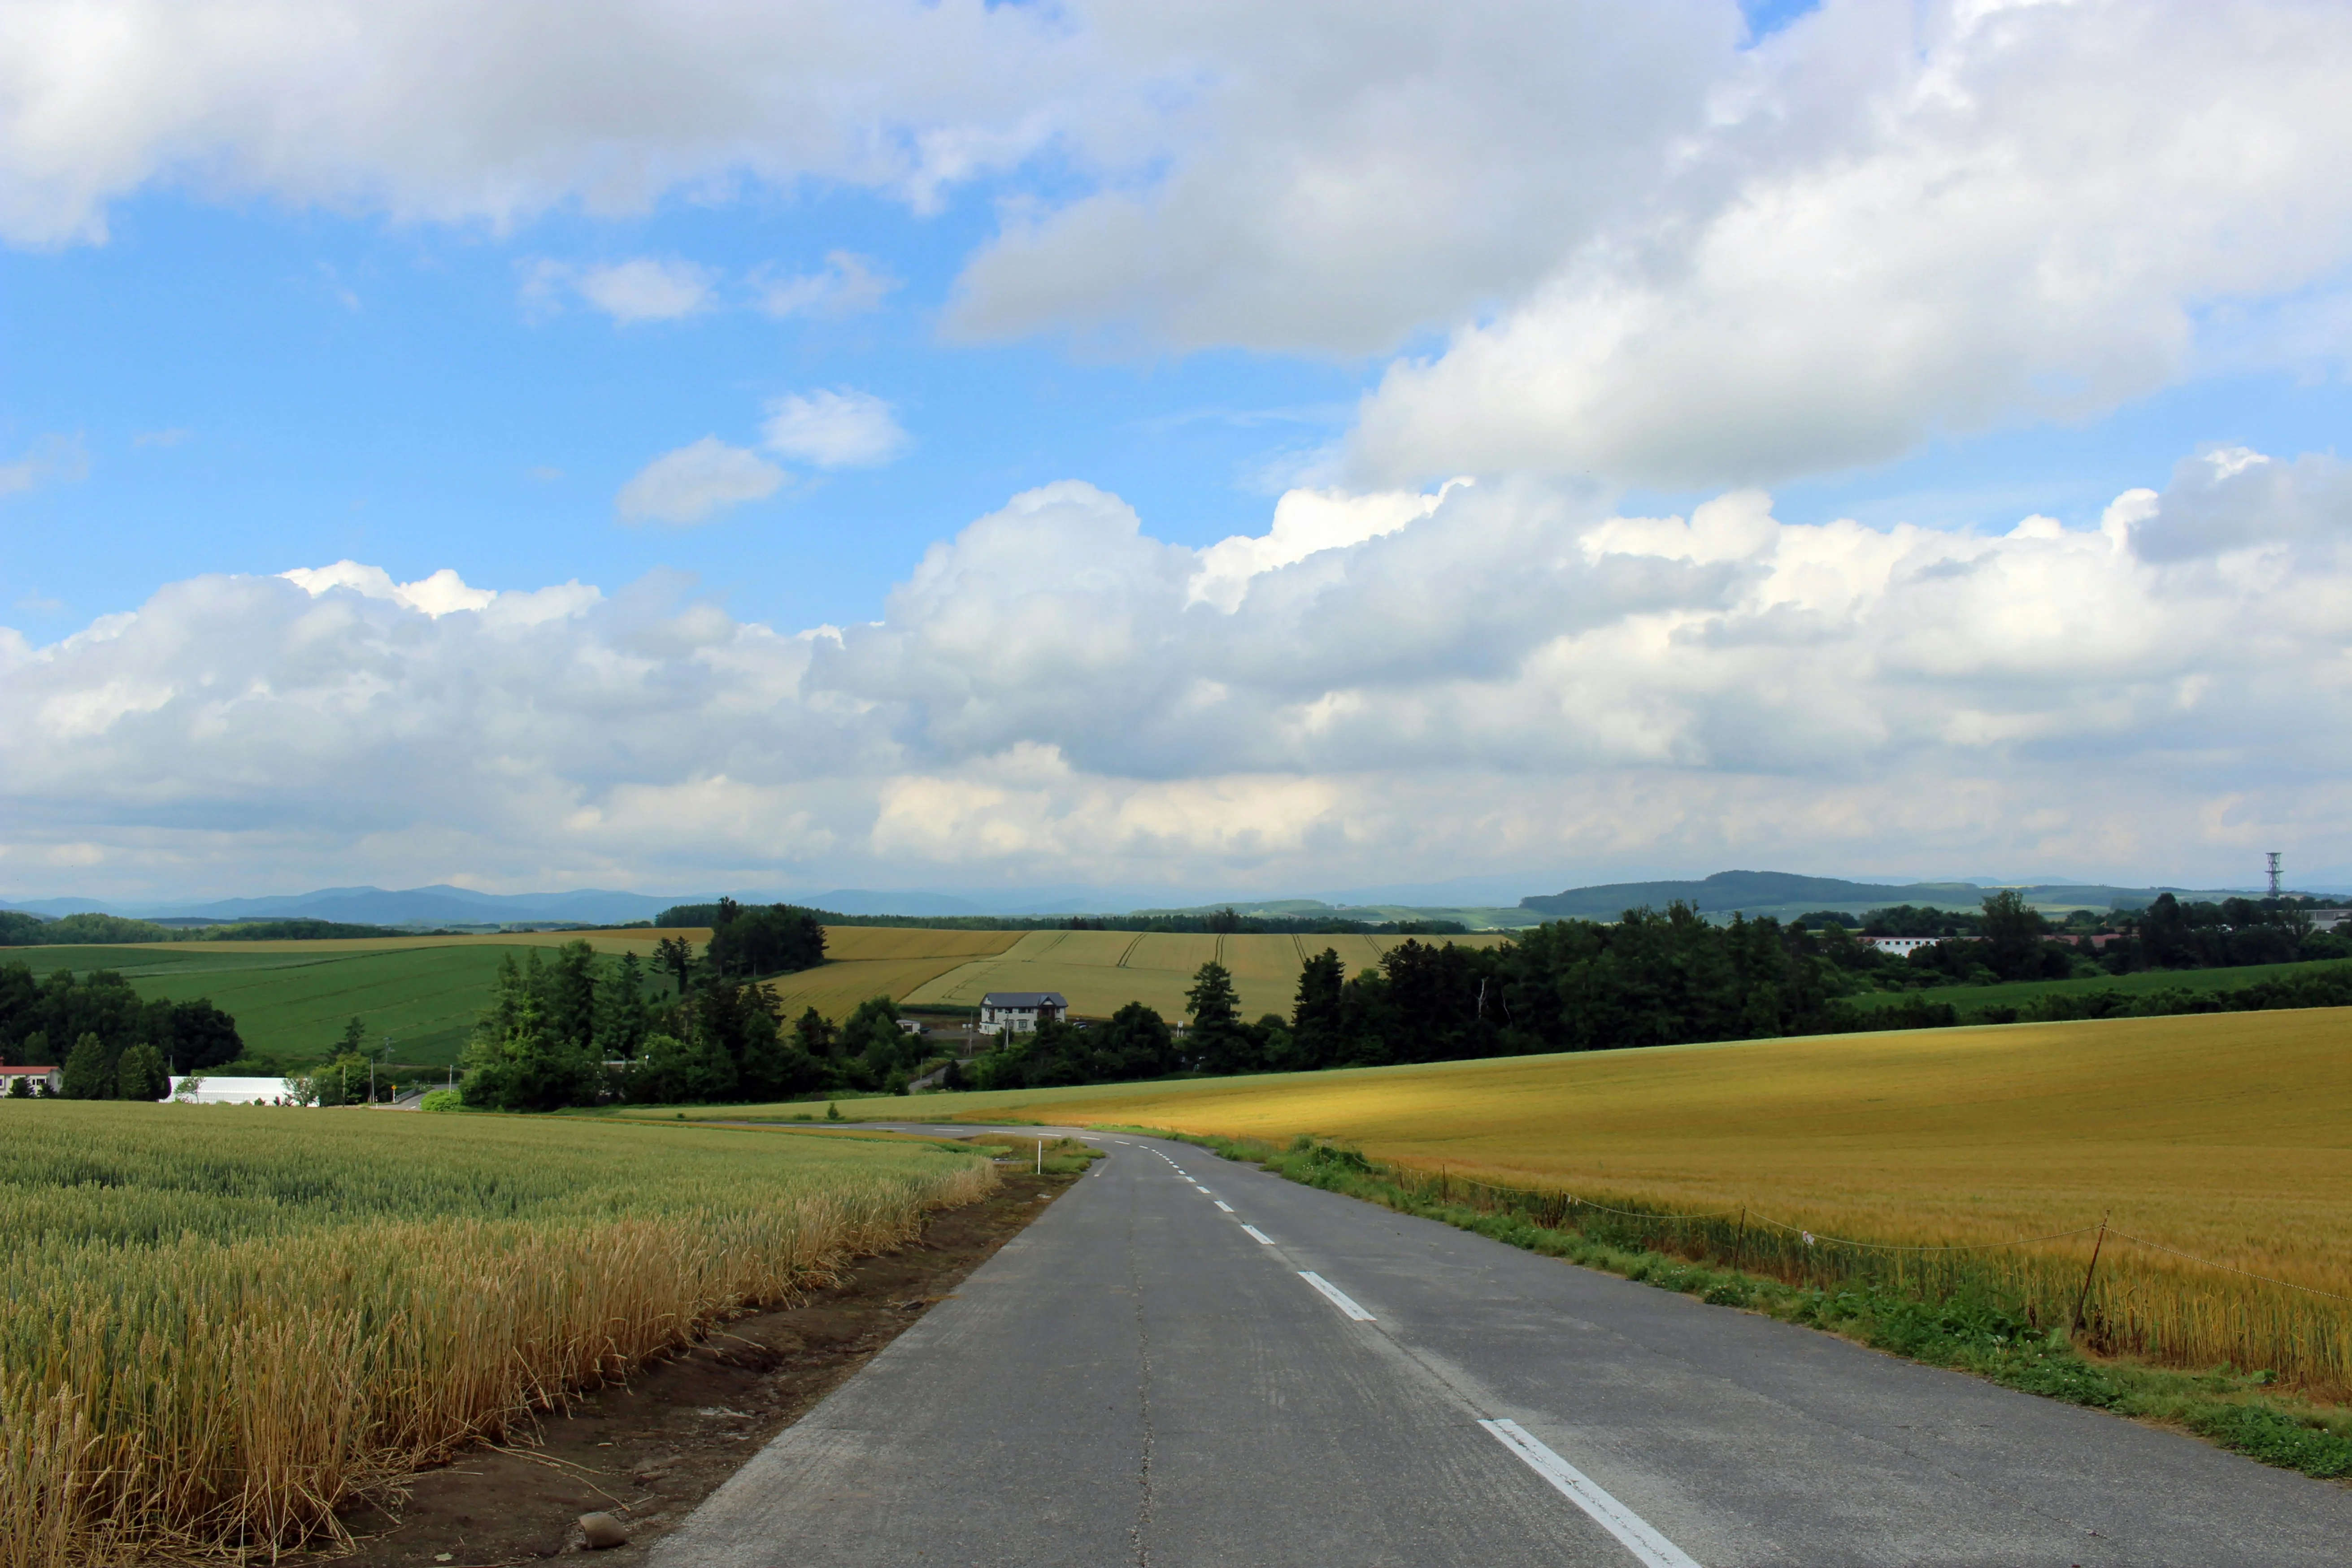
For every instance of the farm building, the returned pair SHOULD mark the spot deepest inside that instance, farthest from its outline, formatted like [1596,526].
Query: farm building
[47,1080]
[1020,1012]
[233,1091]
[1901,946]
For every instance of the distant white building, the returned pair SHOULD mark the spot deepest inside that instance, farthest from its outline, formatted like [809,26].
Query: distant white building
[1901,946]
[48,1080]
[2328,920]
[197,1090]
[1020,1012]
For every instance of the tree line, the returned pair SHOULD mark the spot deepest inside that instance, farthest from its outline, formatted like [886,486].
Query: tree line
[1225,922]
[1996,943]
[578,1028]
[107,1043]
[18,929]
[1651,978]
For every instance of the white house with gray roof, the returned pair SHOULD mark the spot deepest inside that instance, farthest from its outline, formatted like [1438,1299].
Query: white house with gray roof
[1020,1012]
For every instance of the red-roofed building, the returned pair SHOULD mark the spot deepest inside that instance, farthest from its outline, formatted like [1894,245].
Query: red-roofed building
[49,1081]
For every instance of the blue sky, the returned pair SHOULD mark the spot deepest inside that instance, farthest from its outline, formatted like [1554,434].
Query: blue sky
[275,297]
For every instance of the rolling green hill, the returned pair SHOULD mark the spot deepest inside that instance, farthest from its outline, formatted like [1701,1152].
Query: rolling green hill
[293,1005]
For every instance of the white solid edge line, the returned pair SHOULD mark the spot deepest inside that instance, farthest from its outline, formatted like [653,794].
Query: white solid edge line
[1223,1204]
[1261,1237]
[1629,1528]
[1339,1298]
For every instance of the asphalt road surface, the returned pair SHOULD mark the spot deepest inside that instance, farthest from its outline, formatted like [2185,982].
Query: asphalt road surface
[1187,1363]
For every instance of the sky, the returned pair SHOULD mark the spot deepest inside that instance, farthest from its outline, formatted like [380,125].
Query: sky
[1183,452]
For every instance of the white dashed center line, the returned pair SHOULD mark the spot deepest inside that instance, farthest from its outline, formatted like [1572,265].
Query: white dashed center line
[1338,1296]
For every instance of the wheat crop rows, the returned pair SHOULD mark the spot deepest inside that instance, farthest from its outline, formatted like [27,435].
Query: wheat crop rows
[216,1324]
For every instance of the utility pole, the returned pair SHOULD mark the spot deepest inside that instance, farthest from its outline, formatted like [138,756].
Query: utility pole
[2273,859]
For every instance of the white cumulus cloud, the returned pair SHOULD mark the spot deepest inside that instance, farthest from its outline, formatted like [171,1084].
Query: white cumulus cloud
[696,482]
[1607,236]
[648,288]
[1500,678]
[833,429]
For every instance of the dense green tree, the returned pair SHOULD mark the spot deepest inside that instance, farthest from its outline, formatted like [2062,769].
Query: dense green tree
[675,954]
[1215,1039]
[817,1035]
[142,1075]
[1137,1043]
[514,1061]
[87,1071]
[624,1017]
[194,1036]
[569,996]
[1316,1016]
[2011,932]
[872,1041]
[671,1072]
[775,940]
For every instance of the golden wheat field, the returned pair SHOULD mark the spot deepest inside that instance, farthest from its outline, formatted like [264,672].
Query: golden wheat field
[1102,971]
[2228,1136]
[216,1323]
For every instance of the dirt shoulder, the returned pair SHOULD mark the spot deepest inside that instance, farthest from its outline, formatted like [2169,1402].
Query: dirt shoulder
[648,1451]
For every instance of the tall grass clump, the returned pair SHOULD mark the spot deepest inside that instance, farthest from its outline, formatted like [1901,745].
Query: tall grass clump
[216,1324]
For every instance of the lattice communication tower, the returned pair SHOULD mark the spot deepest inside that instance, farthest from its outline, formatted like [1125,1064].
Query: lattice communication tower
[2273,859]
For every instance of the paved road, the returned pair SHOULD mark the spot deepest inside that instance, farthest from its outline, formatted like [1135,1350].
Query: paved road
[1151,1374]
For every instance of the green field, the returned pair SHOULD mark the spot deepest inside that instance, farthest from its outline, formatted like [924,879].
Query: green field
[292,1001]
[218,1321]
[2018,993]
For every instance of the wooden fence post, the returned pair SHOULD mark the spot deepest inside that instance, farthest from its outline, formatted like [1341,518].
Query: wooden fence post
[2085,1293]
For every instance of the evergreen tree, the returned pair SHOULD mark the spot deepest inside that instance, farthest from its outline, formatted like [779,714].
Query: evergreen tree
[142,1075]
[1315,1018]
[570,995]
[85,1075]
[623,1017]
[1218,1042]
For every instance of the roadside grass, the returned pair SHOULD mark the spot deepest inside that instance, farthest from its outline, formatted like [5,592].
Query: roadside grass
[1972,1327]
[1056,1157]
[2016,994]
[218,1324]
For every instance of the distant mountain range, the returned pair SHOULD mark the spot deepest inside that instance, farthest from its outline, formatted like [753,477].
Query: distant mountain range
[1771,892]
[1480,900]
[438,905]
[445,905]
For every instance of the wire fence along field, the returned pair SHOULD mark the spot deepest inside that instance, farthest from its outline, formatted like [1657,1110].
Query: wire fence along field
[217,1324]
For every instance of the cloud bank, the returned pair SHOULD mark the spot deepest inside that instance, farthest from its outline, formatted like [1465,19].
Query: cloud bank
[1505,678]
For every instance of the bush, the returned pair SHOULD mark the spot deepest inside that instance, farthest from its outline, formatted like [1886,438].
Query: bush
[442,1100]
